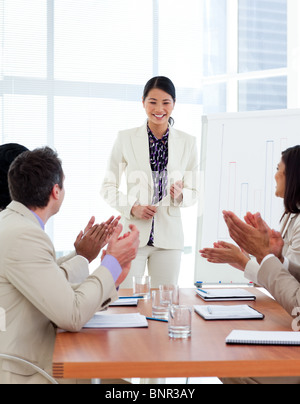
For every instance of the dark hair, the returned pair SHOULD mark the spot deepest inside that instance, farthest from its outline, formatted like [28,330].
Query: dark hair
[291,159]
[8,153]
[33,175]
[164,84]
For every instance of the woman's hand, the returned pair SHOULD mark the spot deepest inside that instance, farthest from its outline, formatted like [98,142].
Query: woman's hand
[176,191]
[225,253]
[276,240]
[143,212]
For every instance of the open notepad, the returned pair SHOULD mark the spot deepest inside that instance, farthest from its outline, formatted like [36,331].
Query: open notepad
[101,320]
[228,313]
[225,295]
[263,338]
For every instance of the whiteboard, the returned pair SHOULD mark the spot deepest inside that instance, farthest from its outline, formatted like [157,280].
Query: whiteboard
[239,157]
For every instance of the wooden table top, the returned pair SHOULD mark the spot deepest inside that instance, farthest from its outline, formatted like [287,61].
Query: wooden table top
[150,353]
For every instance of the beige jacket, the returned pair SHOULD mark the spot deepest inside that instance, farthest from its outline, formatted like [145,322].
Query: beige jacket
[36,295]
[131,156]
[284,286]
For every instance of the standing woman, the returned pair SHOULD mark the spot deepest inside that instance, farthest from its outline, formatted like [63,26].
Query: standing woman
[161,168]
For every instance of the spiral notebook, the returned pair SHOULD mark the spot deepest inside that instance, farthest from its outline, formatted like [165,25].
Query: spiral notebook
[263,338]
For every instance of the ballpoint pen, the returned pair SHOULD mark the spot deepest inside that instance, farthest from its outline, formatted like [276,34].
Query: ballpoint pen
[157,319]
[203,291]
[209,309]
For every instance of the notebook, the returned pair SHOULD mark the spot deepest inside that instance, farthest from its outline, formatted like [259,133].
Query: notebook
[122,302]
[263,338]
[228,313]
[225,295]
[101,320]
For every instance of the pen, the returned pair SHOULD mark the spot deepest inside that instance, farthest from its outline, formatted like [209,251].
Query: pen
[209,309]
[157,319]
[203,291]
[131,297]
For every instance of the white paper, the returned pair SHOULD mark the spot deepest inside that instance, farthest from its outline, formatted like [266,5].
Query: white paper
[227,312]
[103,320]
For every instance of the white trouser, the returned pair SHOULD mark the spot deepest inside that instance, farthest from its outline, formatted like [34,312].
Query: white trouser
[163,266]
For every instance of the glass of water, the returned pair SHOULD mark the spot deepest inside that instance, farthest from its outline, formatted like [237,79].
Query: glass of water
[161,301]
[180,322]
[142,286]
[175,290]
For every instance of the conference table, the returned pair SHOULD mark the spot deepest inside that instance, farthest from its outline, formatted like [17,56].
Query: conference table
[150,353]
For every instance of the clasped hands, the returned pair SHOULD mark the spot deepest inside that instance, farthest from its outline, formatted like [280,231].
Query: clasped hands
[253,236]
[147,212]
[95,237]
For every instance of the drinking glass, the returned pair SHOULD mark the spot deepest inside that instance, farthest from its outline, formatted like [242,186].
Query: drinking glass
[180,322]
[161,301]
[174,289]
[142,286]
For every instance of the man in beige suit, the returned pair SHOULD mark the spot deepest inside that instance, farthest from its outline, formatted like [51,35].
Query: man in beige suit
[34,292]
[282,280]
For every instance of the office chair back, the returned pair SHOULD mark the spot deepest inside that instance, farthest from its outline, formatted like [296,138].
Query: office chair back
[31,365]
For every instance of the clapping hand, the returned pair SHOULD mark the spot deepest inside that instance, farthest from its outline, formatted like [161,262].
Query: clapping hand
[95,237]
[124,249]
[256,238]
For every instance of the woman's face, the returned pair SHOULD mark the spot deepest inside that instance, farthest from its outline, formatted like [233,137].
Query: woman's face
[280,180]
[159,107]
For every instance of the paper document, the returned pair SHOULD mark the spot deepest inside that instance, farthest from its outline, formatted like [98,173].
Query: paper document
[101,320]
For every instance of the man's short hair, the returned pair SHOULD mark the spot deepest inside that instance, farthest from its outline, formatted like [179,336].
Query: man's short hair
[33,175]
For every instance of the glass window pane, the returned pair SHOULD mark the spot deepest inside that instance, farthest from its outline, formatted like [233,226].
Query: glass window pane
[215,37]
[25,33]
[263,94]
[103,41]
[180,39]
[25,120]
[214,98]
[85,131]
[262,34]
[1,39]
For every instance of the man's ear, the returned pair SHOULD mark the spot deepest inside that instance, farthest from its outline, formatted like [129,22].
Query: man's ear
[56,192]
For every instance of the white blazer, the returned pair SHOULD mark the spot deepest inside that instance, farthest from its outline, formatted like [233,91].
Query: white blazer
[130,155]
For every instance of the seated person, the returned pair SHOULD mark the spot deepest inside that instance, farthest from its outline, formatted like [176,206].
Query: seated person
[34,292]
[8,153]
[288,187]
[266,245]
